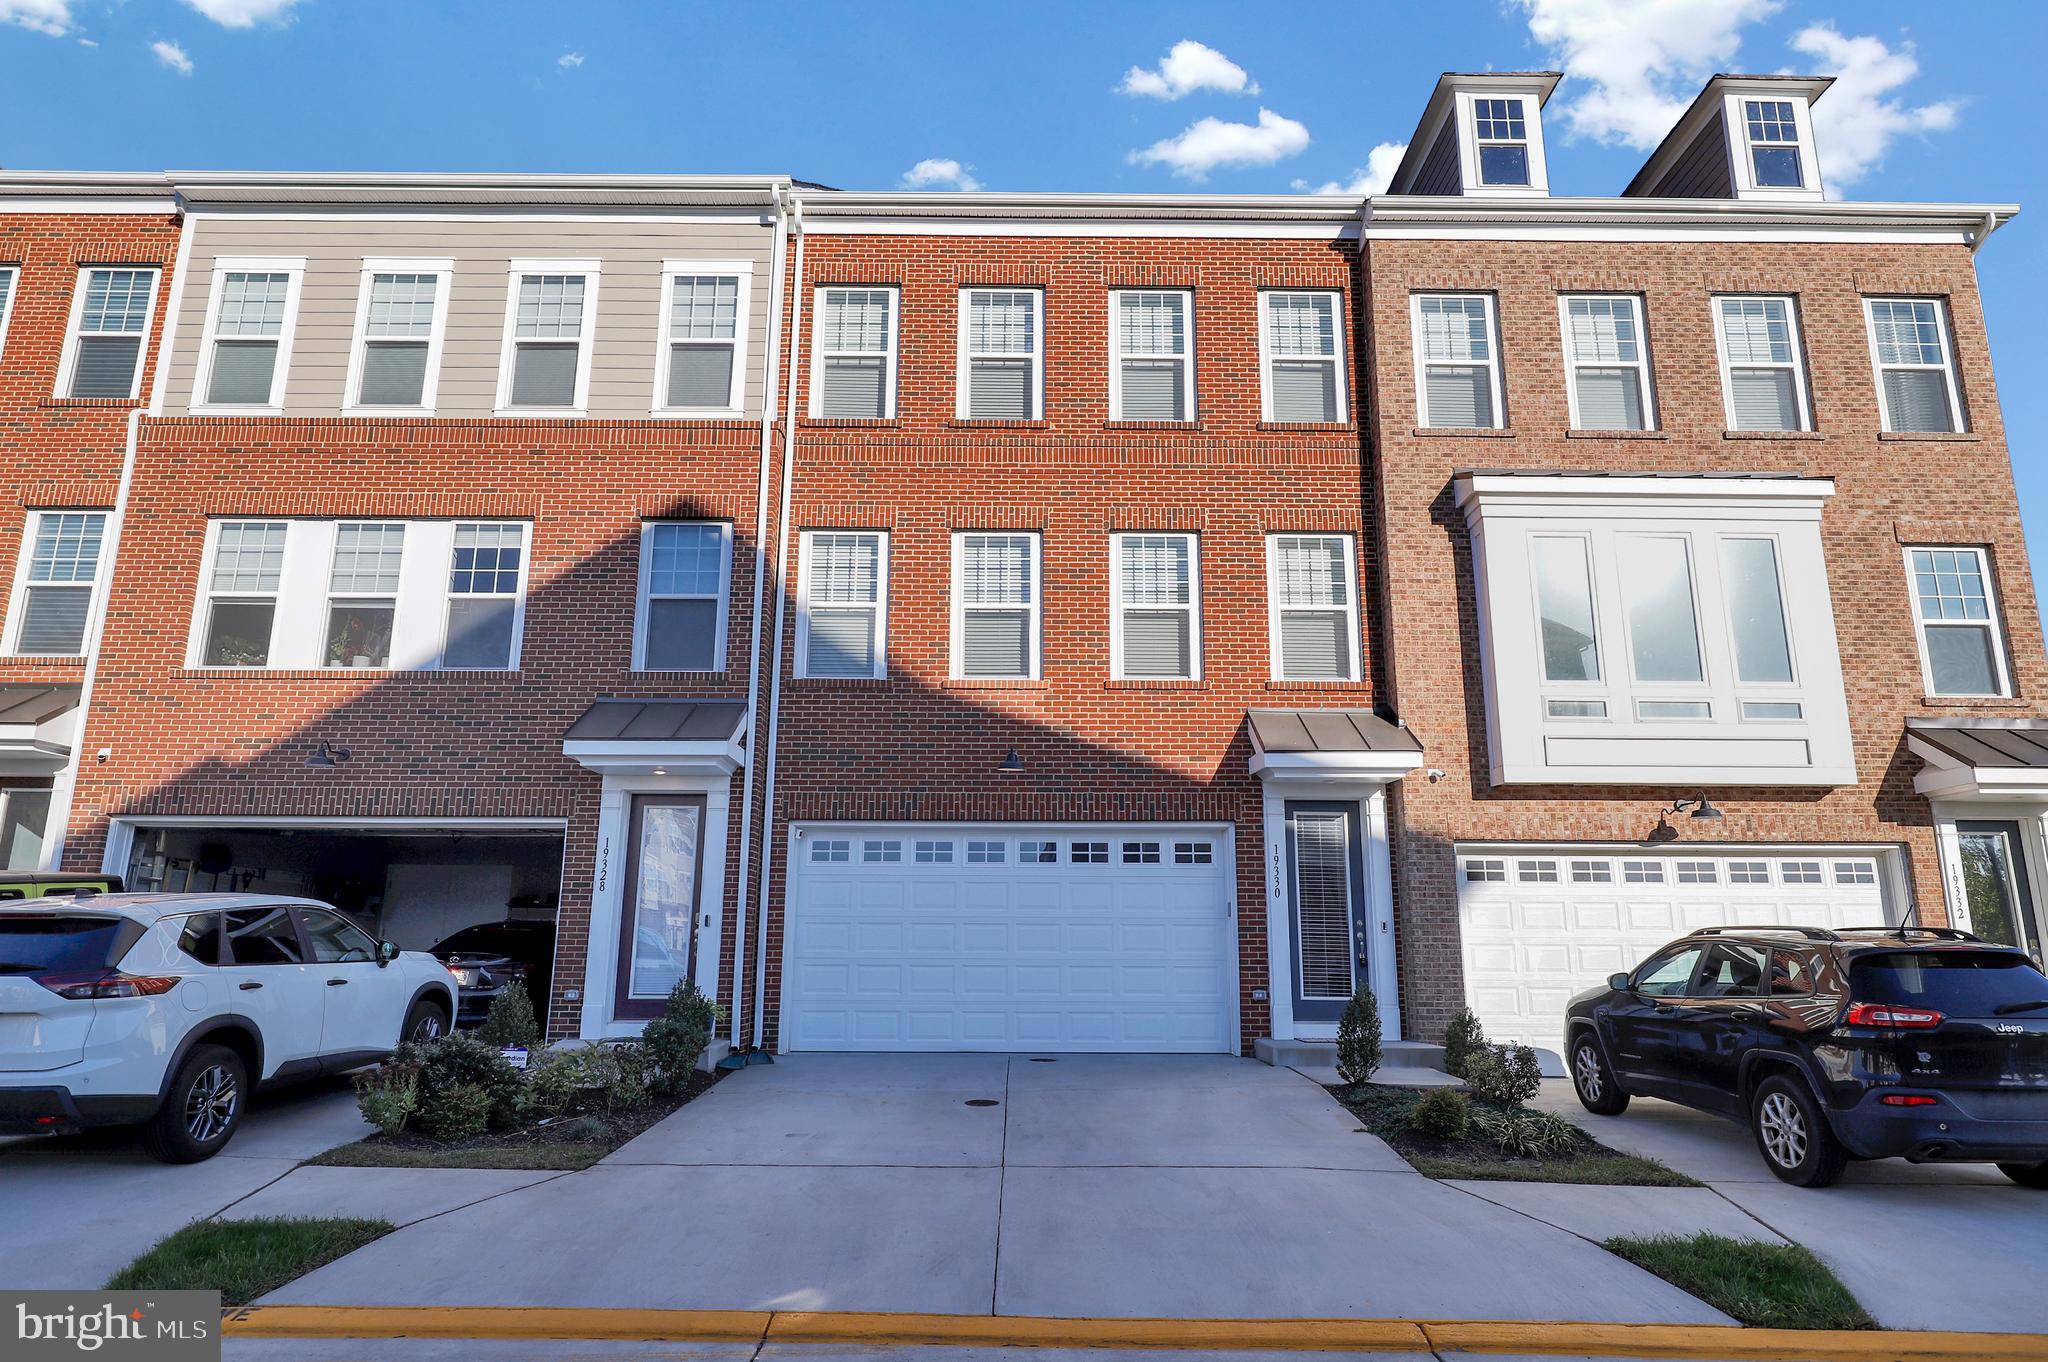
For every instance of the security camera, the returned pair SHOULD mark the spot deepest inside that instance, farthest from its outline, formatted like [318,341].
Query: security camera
[102,755]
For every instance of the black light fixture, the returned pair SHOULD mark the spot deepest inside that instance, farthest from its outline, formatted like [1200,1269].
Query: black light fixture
[1699,807]
[1011,763]
[329,756]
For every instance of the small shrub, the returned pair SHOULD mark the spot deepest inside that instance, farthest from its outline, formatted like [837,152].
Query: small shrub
[1527,1134]
[1358,1038]
[587,1130]
[1442,1114]
[462,1060]
[389,1096]
[1505,1075]
[1461,1038]
[589,1078]
[511,1021]
[676,1040]
[459,1112]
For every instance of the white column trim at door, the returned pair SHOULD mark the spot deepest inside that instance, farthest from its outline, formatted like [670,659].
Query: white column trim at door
[1382,962]
[1379,896]
[1279,917]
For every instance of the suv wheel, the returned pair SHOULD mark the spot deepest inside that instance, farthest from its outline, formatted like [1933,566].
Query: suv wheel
[425,1023]
[1592,1080]
[1793,1133]
[2033,1175]
[203,1109]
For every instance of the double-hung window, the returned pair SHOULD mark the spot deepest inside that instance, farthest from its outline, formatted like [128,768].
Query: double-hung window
[109,323]
[56,596]
[1002,354]
[1773,131]
[485,569]
[246,350]
[362,593]
[1608,362]
[854,375]
[242,591]
[10,284]
[701,367]
[550,314]
[1152,352]
[843,607]
[1313,624]
[1155,621]
[995,605]
[1916,375]
[1500,132]
[1299,356]
[1457,361]
[1956,612]
[685,575]
[401,317]
[1763,382]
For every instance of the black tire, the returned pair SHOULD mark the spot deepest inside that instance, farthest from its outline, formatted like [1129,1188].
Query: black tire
[1592,1080]
[2034,1175]
[425,1023]
[1793,1134]
[203,1109]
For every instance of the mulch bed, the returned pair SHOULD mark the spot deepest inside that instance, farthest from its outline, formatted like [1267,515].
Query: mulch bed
[1384,1111]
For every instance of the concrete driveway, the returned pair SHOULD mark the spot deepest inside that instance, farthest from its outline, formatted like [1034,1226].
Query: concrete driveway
[1083,1186]
[1923,1246]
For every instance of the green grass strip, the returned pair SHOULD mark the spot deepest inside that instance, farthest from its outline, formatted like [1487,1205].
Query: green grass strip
[567,1157]
[1770,1286]
[243,1259]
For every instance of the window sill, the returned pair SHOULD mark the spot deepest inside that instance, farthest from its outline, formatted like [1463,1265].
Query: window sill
[839,682]
[698,414]
[90,402]
[1772,435]
[234,411]
[1954,437]
[42,660]
[995,683]
[1157,683]
[1315,685]
[388,413]
[986,423]
[1576,434]
[1333,427]
[541,413]
[1162,427]
[344,673]
[1464,432]
[1969,701]
[847,422]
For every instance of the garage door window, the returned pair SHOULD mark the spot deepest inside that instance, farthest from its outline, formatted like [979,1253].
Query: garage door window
[1642,872]
[934,853]
[881,853]
[1193,853]
[1038,853]
[658,924]
[842,620]
[985,853]
[1141,853]
[685,575]
[1855,872]
[1090,853]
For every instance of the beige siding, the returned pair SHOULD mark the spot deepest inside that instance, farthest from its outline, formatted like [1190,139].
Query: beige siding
[628,319]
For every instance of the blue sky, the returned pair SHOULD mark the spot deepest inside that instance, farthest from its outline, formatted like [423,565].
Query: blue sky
[1229,97]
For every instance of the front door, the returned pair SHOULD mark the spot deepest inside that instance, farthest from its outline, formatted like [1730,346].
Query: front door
[1326,897]
[2000,899]
[658,917]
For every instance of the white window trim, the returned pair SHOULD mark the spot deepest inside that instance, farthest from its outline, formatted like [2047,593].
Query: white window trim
[294,268]
[880,671]
[449,597]
[202,608]
[957,608]
[1641,363]
[443,270]
[963,371]
[1274,611]
[1468,141]
[1921,624]
[71,333]
[1798,364]
[1958,418]
[1492,363]
[1736,116]
[735,405]
[329,597]
[13,272]
[1186,357]
[592,272]
[642,599]
[96,590]
[1117,605]
[820,354]
[1267,357]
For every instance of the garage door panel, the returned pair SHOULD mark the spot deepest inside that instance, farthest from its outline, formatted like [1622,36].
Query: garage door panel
[1596,917]
[880,980]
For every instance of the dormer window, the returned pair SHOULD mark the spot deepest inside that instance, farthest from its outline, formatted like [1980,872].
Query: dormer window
[1773,144]
[1501,135]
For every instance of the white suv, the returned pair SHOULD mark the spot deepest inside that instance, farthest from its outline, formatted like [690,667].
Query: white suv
[167,1009]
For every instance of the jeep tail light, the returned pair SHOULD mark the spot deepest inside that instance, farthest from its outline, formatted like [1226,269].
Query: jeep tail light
[1889,1014]
[1908,1099]
[107,984]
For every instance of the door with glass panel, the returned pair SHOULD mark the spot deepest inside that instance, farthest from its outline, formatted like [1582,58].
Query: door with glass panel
[1996,887]
[1326,899]
[659,912]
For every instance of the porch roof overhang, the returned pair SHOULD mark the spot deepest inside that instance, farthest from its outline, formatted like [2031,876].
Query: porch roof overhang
[38,725]
[659,737]
[1980,759]
[1307,745]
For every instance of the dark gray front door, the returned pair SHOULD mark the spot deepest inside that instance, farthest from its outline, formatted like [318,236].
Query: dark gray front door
[2001,899]
[1326,899]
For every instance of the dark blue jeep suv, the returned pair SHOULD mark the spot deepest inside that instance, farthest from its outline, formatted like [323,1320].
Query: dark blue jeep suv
[1918,1043]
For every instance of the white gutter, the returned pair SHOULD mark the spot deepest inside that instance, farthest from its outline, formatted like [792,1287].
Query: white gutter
[796,343]
[1992,222]
[772,353]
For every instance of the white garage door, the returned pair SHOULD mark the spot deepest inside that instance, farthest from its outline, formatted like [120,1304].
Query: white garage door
[947,937]
[1540,924]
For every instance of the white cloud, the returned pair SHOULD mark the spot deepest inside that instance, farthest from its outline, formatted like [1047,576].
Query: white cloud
[569,61]
[87,42]
[1380,164]
[43,16]
[173,56]
[1210,142]
[244,13]
[940,172]
[1187,67]
[1859,119]
[1640,61]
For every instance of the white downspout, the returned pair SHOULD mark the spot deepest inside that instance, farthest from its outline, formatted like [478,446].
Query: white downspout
[769,359]
[796,350]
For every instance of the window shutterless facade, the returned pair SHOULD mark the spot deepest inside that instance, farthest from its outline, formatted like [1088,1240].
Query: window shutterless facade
[1312,626]
[362,600]
[853,376]
[1771,132]
[486,596]
[685,581]
[57,583]
[996,605]
[10,284]
[843,604]
[1002,355]
[700,367]
[1500,137]
[1155,618]
[1301,367]
[401,320]
[1763,374]
[1914,365]
[550,317]
[245,351]
[1955,612]
[1457,360]
[1607,362]
[110,318]
[1151,355]
[243,580]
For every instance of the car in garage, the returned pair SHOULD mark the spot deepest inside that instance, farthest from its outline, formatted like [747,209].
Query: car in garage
[165,1011]
[1920,1043]
[489,957]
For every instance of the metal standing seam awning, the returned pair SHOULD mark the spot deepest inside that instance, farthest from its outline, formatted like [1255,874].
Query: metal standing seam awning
[1329,744]
[1980,759]
[659,736]
[38,725]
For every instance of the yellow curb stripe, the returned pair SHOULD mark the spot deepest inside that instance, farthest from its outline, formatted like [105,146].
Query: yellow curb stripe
[1724,1343]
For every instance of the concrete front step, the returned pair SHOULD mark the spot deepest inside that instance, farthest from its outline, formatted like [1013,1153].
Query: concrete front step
[1317,1054]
